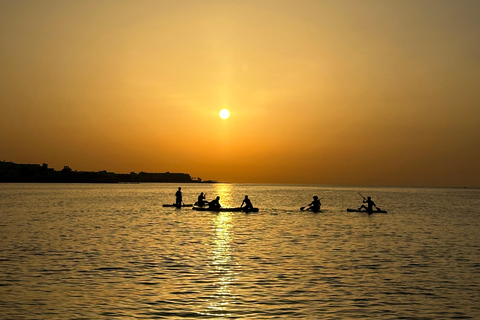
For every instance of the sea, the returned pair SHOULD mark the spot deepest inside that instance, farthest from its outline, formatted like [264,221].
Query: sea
[112,251]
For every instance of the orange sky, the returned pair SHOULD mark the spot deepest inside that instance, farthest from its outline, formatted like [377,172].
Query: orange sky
[326,92]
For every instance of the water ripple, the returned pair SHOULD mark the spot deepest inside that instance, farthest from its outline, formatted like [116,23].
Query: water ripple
[93,252]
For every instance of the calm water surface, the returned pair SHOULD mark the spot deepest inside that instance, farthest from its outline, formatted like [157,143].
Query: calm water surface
[70,251]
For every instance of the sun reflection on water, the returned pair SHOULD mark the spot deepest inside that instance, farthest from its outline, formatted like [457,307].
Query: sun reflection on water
[224,190]
[222,264]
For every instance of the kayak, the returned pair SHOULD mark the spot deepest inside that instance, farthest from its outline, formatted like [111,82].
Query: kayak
[238,209]
[174,205]
[311,210]
[374,211]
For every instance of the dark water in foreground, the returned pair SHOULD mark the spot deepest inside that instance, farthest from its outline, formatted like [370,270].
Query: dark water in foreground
[113,252]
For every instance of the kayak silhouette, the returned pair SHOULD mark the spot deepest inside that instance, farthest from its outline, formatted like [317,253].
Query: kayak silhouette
[237,209]
[177,206]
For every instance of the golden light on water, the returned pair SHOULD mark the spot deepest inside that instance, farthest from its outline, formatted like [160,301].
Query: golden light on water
[221,254]
[224,190]
[222,265]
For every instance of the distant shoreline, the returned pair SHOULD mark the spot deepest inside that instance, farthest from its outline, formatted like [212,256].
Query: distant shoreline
[11,172]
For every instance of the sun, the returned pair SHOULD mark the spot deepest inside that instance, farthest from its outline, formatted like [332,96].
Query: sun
[224,114]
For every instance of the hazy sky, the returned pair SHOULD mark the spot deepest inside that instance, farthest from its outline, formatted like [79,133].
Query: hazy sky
[328,92]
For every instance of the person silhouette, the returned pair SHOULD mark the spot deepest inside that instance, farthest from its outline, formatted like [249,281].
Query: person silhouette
[248,204]
[315,205]
[214,204]
[370,205]
[178,197]
[201,200]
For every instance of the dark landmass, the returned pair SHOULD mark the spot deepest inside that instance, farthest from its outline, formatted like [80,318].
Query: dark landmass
[14,172]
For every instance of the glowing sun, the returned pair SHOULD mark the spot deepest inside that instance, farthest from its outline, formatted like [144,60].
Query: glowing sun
[224,114]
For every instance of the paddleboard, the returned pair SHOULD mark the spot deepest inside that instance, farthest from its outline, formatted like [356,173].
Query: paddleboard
[374,211]
[311,210]
[175,206]
[225,209]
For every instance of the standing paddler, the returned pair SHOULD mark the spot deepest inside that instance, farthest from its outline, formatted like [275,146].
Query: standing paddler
[178,198]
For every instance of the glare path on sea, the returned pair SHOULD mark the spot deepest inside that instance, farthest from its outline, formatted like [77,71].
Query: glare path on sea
[113,252]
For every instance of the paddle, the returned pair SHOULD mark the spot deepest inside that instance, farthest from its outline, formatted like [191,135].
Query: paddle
[378,209]
[302,208]
[361,195]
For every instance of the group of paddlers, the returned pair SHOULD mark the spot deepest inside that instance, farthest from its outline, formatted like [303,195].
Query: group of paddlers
[314,206]
[214,204]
